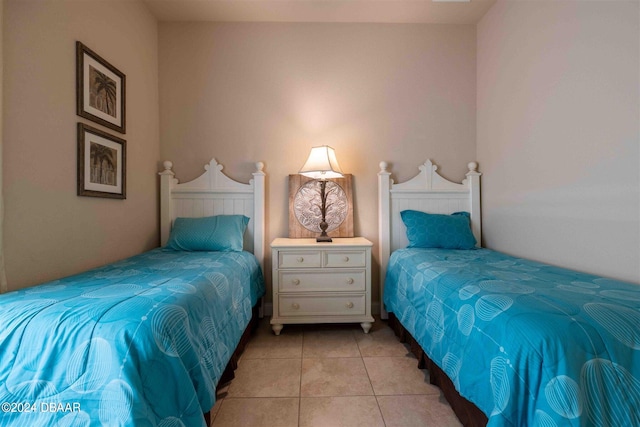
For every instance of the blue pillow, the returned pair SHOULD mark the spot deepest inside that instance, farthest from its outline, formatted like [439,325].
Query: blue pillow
[212,233]
[426,230]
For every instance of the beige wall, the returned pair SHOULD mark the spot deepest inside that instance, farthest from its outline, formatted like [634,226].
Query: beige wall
[3,276]
[558,133]
[269,92]
[50,232]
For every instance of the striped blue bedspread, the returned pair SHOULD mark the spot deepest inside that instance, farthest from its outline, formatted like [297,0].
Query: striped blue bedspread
[529,344]
[141,342]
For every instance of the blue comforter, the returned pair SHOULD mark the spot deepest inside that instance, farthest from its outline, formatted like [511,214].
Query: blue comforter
[141,342]
[529,344]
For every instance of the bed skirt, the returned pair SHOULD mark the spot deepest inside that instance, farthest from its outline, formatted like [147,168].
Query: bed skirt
[228,373]
[468,413]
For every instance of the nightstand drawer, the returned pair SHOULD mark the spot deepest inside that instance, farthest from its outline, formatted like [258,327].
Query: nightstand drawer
[327,281]
[345,259]
[301,259]
[348,305]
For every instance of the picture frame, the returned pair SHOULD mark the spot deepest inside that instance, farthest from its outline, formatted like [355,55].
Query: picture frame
[304,207]
[102,164]
[100,90]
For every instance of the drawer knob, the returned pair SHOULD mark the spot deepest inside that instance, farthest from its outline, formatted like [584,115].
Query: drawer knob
[349,304]
[350,281]
[296,282]
[300,259]
[295,306]
[345,259]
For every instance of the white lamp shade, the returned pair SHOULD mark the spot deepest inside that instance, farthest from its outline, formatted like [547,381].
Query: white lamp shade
[322,164]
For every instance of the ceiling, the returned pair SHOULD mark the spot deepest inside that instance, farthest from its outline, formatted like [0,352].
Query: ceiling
[343,11]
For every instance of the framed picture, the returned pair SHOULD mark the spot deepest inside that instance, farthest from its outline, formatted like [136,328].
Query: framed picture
[102,164]
[100,90]
[304,207]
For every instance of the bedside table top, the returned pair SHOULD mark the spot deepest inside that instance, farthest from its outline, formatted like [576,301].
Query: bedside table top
[283,242]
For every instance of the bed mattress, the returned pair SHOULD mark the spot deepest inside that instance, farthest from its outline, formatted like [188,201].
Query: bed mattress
[139,342]
[527,343]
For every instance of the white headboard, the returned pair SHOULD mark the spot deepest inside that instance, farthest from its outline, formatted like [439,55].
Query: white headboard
[426,192]
[214,193]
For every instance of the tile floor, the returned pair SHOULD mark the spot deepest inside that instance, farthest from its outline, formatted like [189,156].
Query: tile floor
[330,376]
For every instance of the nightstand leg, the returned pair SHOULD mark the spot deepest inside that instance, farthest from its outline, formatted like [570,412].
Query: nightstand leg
[366,327]
[278,327]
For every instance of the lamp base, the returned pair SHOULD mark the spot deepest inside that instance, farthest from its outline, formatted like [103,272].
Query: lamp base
[323,239]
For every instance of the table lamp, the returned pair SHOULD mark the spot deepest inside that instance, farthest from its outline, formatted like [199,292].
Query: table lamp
[321,165]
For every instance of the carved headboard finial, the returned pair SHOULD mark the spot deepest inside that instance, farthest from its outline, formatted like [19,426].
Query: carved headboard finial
[259,166]
[473,166]
[167,168]
[383,166]
[213,165]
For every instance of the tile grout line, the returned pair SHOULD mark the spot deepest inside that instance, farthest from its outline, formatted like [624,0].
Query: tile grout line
[375,396]
[300,387]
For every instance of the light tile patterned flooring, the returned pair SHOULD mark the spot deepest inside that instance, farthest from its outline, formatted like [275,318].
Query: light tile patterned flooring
[330,376]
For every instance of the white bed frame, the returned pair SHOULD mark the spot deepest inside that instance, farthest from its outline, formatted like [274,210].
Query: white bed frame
[214,193]
[426,192]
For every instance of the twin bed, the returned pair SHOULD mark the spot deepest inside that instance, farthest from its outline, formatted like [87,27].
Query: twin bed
[511,342]
[146,340]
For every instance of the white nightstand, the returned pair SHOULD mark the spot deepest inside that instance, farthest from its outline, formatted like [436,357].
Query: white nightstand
[321,282]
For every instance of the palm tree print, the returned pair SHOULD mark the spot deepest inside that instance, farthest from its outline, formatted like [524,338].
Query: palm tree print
[103,164]
[103,92]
